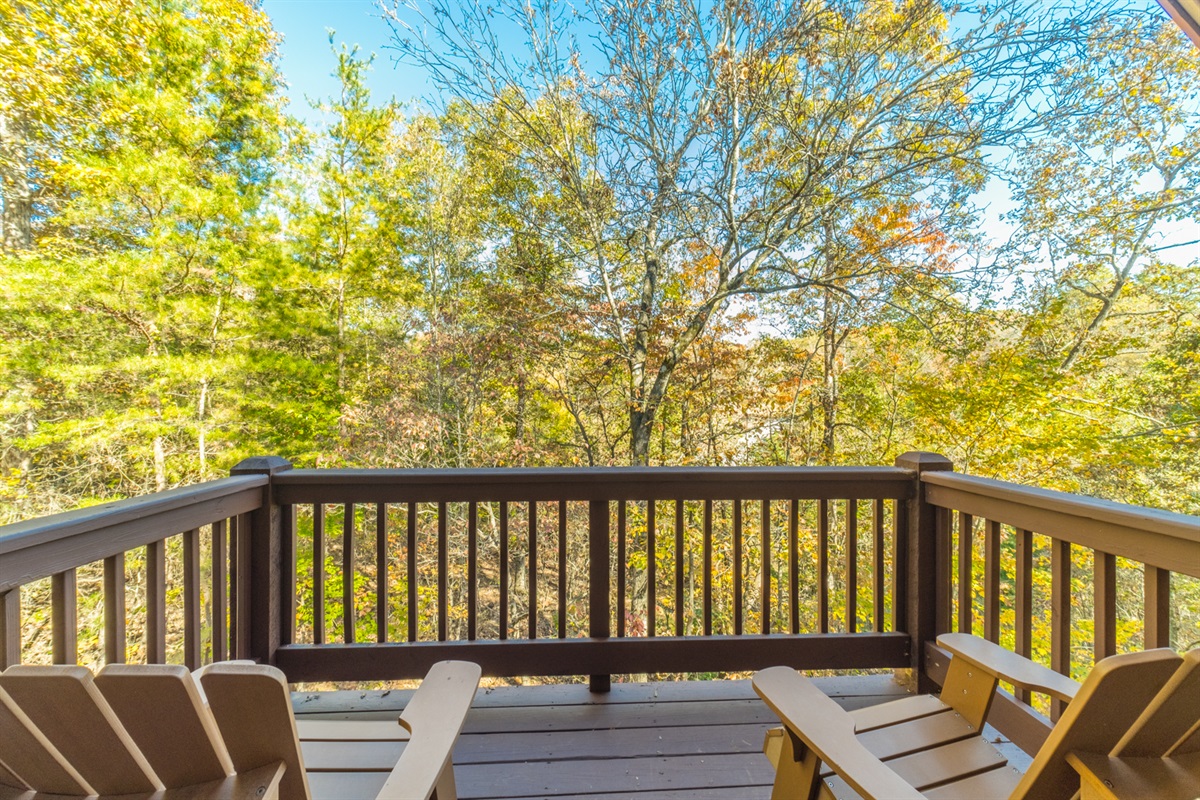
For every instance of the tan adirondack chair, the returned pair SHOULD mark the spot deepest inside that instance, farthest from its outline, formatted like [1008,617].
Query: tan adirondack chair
[226,731]
[930,747]
[1160,755]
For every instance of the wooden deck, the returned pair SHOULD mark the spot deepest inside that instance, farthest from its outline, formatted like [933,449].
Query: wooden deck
[700,739]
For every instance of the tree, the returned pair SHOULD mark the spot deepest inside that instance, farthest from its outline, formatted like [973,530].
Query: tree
[1119,162]
[736,127]
[342,273]
[146,214]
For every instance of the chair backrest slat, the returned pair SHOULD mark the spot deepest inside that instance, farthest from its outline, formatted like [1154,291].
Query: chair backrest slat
[10,778]
[1113,696]
[253,709]
[31,757]
[65,705]
[163,710]
[1168,726]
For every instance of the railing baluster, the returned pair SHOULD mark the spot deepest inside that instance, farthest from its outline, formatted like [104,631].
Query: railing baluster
[899,565]
[562,569]
[708,566]
[288,548]
[737,567]
[472,569]
[220,592]
[244,588]
[348,614]
[943,599]
[622,568]
[233,587]
[1023,599]
[64,618]
[10,628]
[1104,608]
[878,568]
[114,609]
[443,568]
[318,569]
[1157,607]
[381,573]
[191,599]
[533,569]
[410,554]
[679,568]
[1060,613]
[966,554]
[599,580]
[851,566]
[156,601]
[991,581]
[794,565]
[503,570]
[823,566]
[764,525]
[651,571]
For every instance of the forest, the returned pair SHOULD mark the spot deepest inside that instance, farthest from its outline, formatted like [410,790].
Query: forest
[628,232]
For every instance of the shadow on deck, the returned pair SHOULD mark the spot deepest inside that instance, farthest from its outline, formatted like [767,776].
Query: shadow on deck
[699,739]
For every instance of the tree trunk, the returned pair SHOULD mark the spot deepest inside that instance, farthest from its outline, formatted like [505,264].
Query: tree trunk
[829,347]
[522,400]
[829,392]
[16,216]
[201,437]
[341,360]
[160,465]
[640,425]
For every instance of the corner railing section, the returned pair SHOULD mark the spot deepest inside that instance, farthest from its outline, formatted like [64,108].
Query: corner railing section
[1021,565]
[56,547]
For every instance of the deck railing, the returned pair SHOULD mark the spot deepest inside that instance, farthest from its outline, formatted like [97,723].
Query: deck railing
[688,570]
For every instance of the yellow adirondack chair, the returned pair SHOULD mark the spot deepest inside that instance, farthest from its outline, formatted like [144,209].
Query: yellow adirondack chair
[226,731]
[1138,704]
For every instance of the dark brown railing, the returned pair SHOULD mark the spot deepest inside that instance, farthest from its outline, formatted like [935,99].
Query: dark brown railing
[55,547]
[765,513]
[688,570]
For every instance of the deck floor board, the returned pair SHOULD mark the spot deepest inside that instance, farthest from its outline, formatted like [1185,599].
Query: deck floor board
[661,741]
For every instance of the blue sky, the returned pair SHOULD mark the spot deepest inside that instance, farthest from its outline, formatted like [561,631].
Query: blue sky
[307,62]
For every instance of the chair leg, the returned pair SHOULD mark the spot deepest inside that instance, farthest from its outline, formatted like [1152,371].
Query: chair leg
[798,773]
[446,789]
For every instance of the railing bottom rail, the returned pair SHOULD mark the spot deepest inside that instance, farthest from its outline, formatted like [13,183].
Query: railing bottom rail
[552,657]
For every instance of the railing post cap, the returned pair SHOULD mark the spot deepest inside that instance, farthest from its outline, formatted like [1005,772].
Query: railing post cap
[924,462]
[261,465]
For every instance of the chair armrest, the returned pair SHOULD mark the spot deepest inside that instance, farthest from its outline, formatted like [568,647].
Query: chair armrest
[1008,666]
[828,731]
[433,717]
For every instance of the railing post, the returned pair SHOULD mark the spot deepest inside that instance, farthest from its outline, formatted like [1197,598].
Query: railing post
[599,579]
[10,628]
[926,565]
[266,561]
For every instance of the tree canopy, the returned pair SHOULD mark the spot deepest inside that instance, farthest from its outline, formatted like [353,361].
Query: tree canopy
[628,232]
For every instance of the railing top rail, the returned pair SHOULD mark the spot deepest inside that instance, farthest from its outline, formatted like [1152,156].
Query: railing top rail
[39,547]
[1154,520]
[592,483]
[1159,538]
